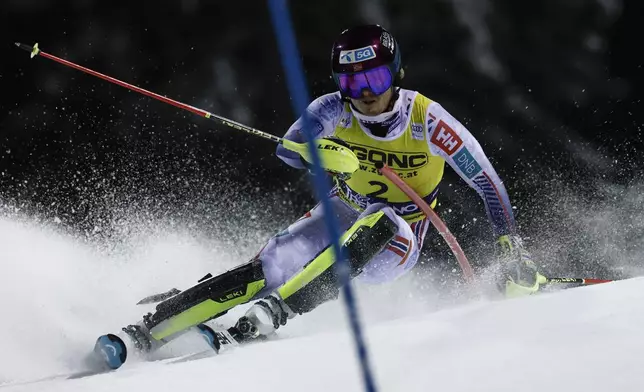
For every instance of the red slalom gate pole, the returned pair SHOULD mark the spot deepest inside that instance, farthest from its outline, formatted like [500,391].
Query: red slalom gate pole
[434,218]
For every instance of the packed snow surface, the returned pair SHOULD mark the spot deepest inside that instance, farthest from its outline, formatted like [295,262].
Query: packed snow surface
[57,294]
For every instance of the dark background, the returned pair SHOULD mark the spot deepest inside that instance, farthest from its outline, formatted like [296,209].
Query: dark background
[551,89]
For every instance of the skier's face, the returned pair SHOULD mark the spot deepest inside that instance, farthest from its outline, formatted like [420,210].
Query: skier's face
[372,105]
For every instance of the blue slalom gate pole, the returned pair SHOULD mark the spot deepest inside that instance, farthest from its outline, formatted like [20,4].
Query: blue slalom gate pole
[291,62]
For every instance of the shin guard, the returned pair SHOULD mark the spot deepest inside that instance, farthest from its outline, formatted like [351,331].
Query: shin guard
[209,299]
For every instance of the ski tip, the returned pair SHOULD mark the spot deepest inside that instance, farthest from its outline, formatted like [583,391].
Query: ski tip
[112,350]
[210,337]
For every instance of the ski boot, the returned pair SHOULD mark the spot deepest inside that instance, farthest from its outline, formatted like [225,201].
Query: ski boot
[144,343]
[140,337]
[262,320]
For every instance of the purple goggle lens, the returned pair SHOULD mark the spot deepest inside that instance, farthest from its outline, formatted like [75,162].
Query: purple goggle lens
[377,80]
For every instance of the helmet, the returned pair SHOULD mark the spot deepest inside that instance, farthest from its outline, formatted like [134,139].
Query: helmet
[365,57]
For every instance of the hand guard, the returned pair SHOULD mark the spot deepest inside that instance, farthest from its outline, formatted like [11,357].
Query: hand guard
[343,176]
[519,274]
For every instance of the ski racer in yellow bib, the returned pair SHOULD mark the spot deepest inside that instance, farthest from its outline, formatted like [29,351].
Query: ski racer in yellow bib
[415,136]
[383,230]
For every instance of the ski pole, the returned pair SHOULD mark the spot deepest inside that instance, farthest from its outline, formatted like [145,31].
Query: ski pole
[576,281]
[300,148]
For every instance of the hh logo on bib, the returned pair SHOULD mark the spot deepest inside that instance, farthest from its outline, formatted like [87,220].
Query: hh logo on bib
[445,138]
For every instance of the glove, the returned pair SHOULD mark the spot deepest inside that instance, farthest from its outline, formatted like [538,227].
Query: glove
[338,175]
[519,274]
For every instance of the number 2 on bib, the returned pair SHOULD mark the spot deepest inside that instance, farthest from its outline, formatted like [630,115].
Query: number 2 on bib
[382,188]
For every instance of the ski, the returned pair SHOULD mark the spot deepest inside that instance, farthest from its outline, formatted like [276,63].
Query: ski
[111,350]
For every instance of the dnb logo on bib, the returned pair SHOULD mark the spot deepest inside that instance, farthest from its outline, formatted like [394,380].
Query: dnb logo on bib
[357,55]
[466,162]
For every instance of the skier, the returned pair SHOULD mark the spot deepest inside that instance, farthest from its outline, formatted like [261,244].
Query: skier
[383,229]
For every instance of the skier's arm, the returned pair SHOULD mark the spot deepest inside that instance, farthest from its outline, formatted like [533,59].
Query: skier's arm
[448,138]
[323,114]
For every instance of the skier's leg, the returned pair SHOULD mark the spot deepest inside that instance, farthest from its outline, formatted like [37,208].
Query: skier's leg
[317,281]
[400,254]
[289,251]
[210,298]
[284,255]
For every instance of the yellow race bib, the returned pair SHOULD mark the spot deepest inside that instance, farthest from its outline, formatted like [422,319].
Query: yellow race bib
[407,154]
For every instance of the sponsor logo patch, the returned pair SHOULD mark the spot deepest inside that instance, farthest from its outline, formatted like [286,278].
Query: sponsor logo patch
[236,293]
[466,162]
[345,121]
[328,147]
[357,55]
[417,131]
[446,138]
[387,41]
[404,209]
[319,127]
[394,159]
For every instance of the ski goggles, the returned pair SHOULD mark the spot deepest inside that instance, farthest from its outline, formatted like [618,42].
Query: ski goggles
[377,80]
